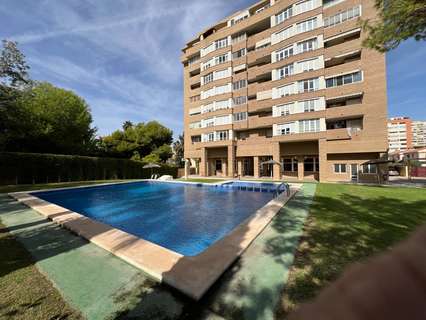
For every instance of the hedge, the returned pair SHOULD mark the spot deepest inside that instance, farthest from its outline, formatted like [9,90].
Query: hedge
[26,168]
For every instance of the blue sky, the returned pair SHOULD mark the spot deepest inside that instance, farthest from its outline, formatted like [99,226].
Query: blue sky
[123,56]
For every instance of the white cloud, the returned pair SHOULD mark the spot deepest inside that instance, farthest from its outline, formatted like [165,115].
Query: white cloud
[132,70]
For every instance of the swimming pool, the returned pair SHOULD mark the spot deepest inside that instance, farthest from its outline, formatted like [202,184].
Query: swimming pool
[184,218]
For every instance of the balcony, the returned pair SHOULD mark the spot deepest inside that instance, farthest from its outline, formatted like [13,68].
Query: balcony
[343,68]
[354,110]
[260,122]
[342,134]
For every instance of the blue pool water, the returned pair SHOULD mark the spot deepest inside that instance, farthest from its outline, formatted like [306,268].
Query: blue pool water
[184,218]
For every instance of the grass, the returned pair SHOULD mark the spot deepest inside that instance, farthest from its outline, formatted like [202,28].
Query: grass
[349,223]
[24,292]
[30,187]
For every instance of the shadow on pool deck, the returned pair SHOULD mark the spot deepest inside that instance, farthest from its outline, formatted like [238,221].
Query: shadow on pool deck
[101,285]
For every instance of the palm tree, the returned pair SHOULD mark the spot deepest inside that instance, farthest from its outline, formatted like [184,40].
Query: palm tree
[127,125]
[178,147]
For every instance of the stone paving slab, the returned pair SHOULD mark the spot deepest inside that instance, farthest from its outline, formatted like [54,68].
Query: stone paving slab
[251,289]
[90,279]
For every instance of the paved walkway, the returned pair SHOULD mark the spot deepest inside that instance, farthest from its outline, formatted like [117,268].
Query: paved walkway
[93,281]
[102,286]
[252,288]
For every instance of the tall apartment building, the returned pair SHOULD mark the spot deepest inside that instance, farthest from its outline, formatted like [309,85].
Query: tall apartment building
[400,134]
[406,134]
[287,81]
[419,134]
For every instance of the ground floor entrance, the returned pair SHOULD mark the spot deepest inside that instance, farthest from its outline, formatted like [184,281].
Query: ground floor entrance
[296,161]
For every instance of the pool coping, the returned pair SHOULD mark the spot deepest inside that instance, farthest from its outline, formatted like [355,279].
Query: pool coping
[192,275]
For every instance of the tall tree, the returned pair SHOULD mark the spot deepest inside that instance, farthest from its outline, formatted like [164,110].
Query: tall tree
[127,125]
[399,20]
[178,149]
[59,122]
[14,83]
[140,139]
[13,67]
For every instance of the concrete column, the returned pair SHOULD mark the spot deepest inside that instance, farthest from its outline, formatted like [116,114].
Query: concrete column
[300,168]
[322,156]
[240,167]
[203,163]
[231,161]
[276,157]
[256,167]
[187,168]
[224,167]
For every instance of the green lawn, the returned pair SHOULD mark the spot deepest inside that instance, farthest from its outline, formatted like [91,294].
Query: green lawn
[349,223]
[24,292]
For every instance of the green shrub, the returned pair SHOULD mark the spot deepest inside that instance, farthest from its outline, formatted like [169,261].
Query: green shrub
[25,168]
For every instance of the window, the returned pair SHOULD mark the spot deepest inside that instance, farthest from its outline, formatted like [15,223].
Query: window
[307,25]
[344,79]
[309,105]
[312,125]
[285,71]
[208,122]
[221,59]
[218,165]
[210,136]
[195,125]
[284,15]
[240,116]
[195,139]
[193,60]
[290,164]
[307,45]
[222,89]
[208,78]
[283,110]
[284,53]
[223,104]
[284,129]
[285,33]
[235,21]
[304,6]
[285,90]
[221,135]
[343,16]
[207,108]
[238,38]
[222,120]
[239,84]
[308,85]
[307,65]
[240,100]
[207,64]
[340,168]
[369,168]
[240,53]
[222,74]
[194,98]
[222,43]
[311,164]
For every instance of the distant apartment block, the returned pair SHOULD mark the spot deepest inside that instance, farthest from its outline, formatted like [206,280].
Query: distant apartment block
[406,134]
[287,81]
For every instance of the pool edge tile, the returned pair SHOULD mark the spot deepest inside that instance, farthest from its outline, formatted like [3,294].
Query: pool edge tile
[192,275]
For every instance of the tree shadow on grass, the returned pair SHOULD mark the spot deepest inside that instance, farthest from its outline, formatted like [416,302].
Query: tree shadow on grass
[343,230]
